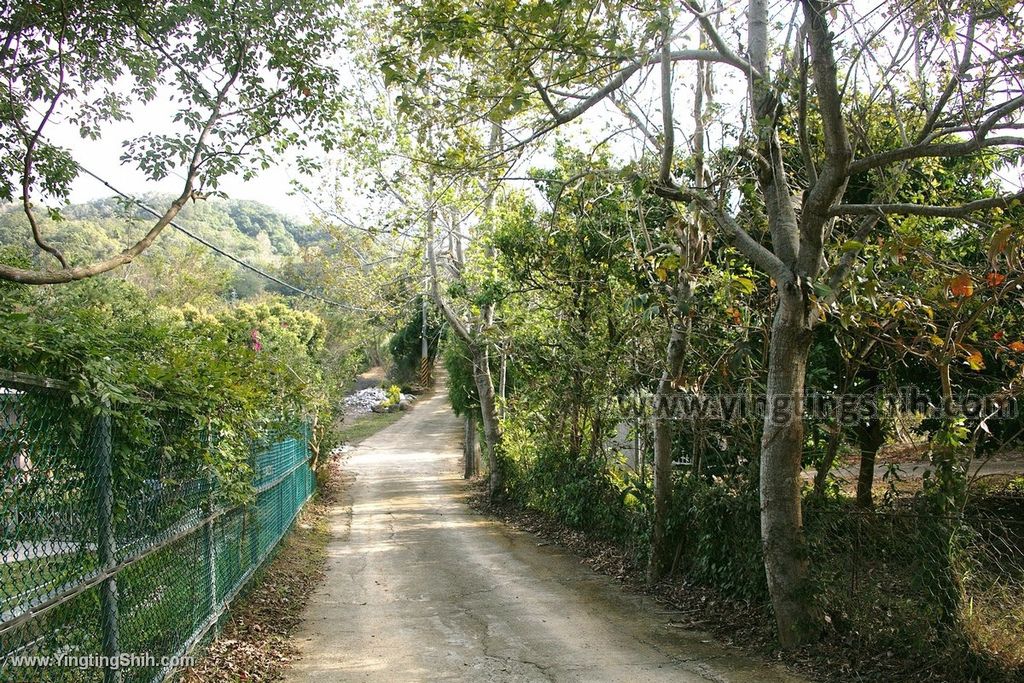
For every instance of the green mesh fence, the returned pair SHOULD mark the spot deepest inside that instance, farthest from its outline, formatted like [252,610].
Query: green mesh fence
[110,573]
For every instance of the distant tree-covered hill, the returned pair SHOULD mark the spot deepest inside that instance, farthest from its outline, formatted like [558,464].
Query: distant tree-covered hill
[91,230]
[105,226]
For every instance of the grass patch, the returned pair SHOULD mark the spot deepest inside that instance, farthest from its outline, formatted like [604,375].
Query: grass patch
[364,427]
[26,580]
[994,621]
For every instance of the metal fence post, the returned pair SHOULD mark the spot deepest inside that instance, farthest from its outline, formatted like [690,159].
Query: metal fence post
[107,546]
[211,550]
[307,438]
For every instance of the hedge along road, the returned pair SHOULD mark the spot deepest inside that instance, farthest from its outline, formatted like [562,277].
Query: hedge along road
[421,588]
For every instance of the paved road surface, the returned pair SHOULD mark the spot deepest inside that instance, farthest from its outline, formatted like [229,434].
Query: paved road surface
[421,588]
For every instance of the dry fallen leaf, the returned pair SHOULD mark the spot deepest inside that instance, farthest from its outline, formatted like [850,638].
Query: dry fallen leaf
[961,285]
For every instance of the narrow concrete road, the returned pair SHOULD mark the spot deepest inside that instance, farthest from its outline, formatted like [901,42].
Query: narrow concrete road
[421,588]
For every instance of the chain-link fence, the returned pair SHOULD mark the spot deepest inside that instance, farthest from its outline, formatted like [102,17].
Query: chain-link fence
[113,568]
[916,551]
[902,580]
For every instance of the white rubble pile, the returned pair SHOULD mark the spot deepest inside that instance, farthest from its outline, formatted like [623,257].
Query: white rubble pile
[365,400]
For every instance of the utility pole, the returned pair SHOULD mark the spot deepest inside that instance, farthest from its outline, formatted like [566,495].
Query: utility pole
[424,374]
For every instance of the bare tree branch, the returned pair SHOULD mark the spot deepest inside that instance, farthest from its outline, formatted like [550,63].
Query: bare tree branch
[668,134]
[727,55]
[832,178]
[805,145]
[949,149]
[26,178]
[649,137]
[845,265]
[620,79]
[960,211]
[955,80]
[751,248]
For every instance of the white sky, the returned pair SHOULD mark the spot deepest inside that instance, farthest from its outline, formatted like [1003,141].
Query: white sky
[103,157]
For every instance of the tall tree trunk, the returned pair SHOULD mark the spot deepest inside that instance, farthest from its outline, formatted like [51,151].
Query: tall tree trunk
[424,342]
[663,414]
[488,410]
[831,451]
[662,465]
[424,375]
[470,447]
[502,383]
[782,535]
[692,244]
[870,438]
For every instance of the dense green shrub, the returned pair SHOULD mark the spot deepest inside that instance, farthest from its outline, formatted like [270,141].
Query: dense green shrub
[189,389]
[461,387]
[583,491]
[717,535]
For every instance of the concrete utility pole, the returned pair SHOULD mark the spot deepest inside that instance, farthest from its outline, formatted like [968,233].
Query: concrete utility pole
[424,374]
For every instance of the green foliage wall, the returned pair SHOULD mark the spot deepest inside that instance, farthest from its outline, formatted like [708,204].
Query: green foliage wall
[462,391]
[189,387]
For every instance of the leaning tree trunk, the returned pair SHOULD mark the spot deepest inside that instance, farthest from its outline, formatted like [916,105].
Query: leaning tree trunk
[489,412]
[782,535]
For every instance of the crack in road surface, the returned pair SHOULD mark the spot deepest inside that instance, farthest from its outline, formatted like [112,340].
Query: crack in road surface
[421,588]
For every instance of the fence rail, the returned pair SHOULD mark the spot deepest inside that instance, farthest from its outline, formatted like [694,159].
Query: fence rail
[114,563]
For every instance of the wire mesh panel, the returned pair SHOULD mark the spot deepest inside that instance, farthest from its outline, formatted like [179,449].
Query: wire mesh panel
[114,564]
[903,577]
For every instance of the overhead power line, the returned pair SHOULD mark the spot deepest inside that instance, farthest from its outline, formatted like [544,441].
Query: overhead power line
[209,245]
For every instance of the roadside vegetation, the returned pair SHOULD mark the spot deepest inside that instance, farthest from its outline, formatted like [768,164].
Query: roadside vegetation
[844,233]
[223,375]
[911,575]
